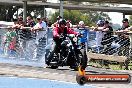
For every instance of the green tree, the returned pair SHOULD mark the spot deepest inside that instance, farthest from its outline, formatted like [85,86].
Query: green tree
[90,18]
[97,15]
[93,15]
[130,19]
[73,15]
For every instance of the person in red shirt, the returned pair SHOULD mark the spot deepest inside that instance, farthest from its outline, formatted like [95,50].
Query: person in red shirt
[57,32]
[61,30]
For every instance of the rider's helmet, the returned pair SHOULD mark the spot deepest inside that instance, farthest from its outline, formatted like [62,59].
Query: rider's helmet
[100,23]
[59,17]
[62,21]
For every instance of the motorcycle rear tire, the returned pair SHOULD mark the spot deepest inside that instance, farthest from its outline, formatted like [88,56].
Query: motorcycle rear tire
[74,67]
[84,59]
[54,67]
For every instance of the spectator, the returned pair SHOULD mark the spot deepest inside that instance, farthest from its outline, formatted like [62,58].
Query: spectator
[45,19]
[124,37]
[103,34]
[99,34]
[125,24]
[9,41]
[40,29]
[30,22]
[49,24]
[56,24]
[22,33]
[107,39]
[15,23]
[84,31]
[68,24]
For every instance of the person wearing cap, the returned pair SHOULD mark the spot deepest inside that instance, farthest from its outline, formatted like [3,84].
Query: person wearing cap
[99,34]
[107,38]
[125,24]
[124,37]
[125,28]
[40,28]
[58,18]
[84,32]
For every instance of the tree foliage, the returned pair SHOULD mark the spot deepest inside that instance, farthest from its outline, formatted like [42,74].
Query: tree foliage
[130,19]
[97,15]
[90,18]
[73,15]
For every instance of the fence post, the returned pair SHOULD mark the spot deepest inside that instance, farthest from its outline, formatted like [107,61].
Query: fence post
[25,10]
[61,8]
[47,34]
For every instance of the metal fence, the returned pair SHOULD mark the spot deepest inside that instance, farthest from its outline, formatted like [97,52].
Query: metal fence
[119,50]
[26,49]
[117,46]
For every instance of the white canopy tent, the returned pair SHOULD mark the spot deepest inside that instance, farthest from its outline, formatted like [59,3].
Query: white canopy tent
[77,7]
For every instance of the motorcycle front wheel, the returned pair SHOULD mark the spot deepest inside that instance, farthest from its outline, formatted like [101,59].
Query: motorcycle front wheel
[83,59]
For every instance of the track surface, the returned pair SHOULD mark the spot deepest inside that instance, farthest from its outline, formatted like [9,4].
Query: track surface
[60,74]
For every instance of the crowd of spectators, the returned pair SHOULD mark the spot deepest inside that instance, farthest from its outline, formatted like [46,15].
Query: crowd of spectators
[21,32]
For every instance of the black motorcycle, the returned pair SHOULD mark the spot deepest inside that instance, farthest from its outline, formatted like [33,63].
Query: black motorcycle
[71,54]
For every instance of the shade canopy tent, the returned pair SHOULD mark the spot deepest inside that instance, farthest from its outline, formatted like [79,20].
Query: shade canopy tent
[93,1]
[29,0]
[25,6]
[71,7]
[105,1]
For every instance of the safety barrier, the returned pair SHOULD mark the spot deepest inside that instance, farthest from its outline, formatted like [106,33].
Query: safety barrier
[25,46]
[118,51]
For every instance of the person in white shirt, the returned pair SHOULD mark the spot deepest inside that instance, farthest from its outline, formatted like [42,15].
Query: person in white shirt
[41,29]
[99,34]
